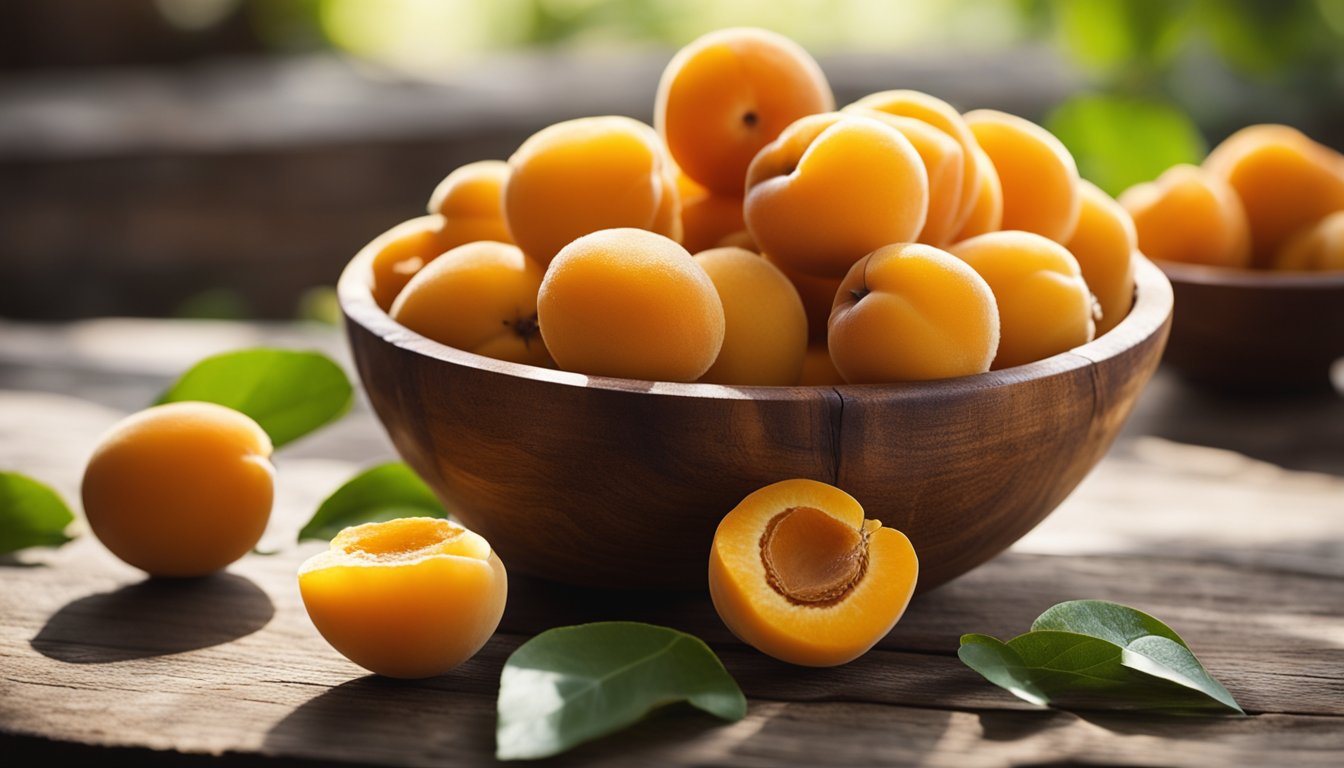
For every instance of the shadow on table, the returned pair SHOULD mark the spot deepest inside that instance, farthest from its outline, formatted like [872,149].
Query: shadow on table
[155,617]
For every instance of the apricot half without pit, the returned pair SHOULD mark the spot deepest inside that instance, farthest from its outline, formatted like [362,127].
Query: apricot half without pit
[797,573]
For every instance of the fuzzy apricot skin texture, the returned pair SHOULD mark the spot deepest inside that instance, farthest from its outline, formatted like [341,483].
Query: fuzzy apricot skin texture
[1044,304]
[630,304]
[832,188]
[400,253]
[471,202]
[911,312]
[181,489]
[986,211]
[584,175]
[1188,214]
[1038,176]
[1286,182]
[729,93]
[409,598]
[480,297]
[765,327]
[816,634]
[1317,248]
[1104,243]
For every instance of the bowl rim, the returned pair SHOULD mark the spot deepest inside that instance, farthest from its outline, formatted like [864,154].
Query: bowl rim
[1150,312]
[1240,277]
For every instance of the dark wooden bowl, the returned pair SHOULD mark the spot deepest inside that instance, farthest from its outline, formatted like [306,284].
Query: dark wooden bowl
[1255,331]
[620,483]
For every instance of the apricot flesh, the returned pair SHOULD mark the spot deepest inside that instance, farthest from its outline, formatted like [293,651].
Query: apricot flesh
[181,489]
[729,93]
[409,598]
[796,572]
[765,327]
[1188,214]
[1038,175]
[632,304]
[1104,243]
[480,297]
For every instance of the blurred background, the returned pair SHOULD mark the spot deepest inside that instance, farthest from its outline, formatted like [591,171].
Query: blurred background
[225,158]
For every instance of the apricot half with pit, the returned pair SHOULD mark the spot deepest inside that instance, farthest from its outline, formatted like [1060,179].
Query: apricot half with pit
[797,573]
[410,597]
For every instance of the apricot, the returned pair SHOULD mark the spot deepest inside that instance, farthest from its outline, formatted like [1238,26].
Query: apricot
[909,312]
[818,295]
[480,297]
[729,93]
[796,572]
[1320,247]
[1189,214]
[584,175]
[739,239]
[1286,182]
[986,214]
[943,116]
[410,597]
[708,218]
[765,327]
[181,489]
[400,252]
[633,304]
[832,188]
[818,368]
[944,162]
[1104,243]
[1038,175]
[471,202]
[1044,304]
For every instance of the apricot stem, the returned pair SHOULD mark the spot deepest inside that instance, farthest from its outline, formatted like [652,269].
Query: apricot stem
[811,558]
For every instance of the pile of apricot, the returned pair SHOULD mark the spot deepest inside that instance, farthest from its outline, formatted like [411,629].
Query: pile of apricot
[1268,197]
[756,235]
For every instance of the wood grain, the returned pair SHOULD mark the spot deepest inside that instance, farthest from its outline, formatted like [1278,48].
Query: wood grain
[964,467]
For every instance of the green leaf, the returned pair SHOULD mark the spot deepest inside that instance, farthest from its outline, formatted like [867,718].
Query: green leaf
[31,514]
[288,392]
[1119,142]
[572,684]
[385,492]
[1091,654]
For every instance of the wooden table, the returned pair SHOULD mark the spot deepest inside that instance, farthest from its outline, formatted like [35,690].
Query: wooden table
[1225,518]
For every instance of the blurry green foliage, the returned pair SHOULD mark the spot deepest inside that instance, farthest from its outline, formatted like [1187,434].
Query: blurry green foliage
[1120,141]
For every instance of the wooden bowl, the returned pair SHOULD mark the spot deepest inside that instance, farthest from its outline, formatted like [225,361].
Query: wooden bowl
[1255,331]
[620,483]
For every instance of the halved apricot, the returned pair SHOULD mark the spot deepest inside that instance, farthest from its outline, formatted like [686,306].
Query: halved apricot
[797,573]
[411,597]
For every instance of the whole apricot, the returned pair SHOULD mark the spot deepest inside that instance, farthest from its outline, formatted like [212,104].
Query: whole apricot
[1191,215]
[909,312]
[765,327]
[1038,175]
[832,188]
[986,214]
[796,572]
[632,304]
[1104,243]
[401,252]
[1286,182]
[1044,305]
[1319,247]
[181,489]
[943,116]
[729,93]
[480,297]
[410,597]
[471,202]
[580,176]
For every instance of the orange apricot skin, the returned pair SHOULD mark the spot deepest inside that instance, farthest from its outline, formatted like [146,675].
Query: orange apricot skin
[944,162]
[1190,215]
[405,619]
[986,210]
[1319,247]
[1286,182]
[401,252]
[806,635]
[729,93]
[471,202]
[819,369]
[818,295]
[832,188]
[911,312]
[480,297]
[708,218]
[631,304]
[1038,176]
[584,175]
[1104,243]
[765,327]
[1044,305]
[181,489]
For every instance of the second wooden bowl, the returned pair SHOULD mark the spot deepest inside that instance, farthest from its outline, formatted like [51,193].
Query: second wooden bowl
[1255,331]
[620,483]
